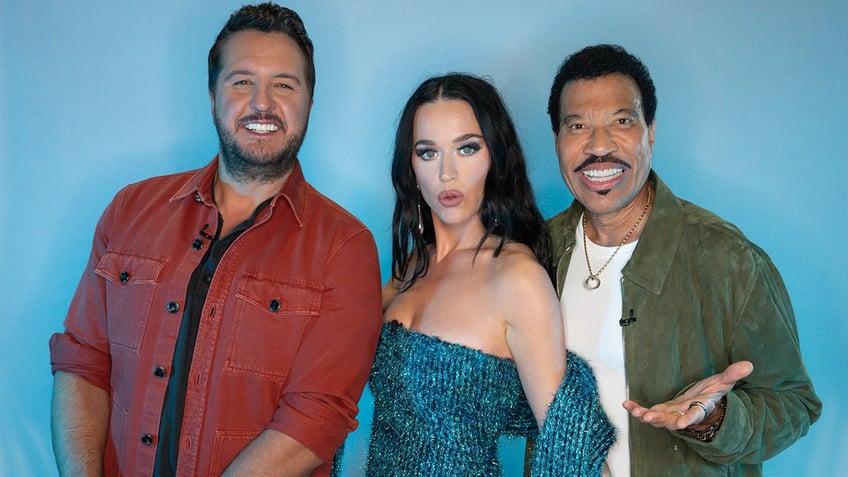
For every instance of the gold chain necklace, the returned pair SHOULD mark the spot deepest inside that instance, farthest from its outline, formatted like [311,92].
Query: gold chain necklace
[592,282]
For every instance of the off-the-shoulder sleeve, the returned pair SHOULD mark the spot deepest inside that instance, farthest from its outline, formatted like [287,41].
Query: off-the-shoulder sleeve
[576,435]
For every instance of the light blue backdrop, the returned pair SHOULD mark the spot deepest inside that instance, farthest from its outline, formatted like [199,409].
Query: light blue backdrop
[751,124]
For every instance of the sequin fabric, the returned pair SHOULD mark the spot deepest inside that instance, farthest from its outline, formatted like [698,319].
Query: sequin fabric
[440,408]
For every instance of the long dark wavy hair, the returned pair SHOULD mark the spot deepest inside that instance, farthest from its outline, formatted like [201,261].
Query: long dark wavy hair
[509,207]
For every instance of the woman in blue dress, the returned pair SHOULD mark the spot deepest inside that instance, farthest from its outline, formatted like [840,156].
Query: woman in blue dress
[473,344]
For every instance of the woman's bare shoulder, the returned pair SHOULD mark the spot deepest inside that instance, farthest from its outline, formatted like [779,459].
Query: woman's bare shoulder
[517,259]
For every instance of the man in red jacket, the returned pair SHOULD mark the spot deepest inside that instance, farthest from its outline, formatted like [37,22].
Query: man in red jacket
[227,318]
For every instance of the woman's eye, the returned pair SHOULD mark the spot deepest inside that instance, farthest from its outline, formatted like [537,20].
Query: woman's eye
[426,154]
[468,149]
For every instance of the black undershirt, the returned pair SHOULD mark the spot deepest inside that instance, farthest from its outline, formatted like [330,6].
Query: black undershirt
[170,425]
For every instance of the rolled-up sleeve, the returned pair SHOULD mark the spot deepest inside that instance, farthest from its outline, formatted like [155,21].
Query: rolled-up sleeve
[83,348]
[318,403]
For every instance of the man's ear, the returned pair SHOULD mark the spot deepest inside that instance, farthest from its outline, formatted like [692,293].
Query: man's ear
[652,132]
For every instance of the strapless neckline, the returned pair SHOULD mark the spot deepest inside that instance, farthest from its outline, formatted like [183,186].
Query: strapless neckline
[396,326]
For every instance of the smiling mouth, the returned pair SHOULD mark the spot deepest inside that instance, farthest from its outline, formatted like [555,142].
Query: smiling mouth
[261,127]
[602,175]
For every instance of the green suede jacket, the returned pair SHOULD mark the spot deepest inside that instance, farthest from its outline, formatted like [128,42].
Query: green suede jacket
[699,296]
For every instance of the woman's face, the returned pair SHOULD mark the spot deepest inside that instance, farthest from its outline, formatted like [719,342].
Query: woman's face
[450,159]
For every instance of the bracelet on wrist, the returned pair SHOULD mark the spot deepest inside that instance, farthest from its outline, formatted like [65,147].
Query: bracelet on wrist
[708,434]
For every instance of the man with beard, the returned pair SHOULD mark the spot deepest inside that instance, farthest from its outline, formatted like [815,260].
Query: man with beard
[227,318]
[673,306]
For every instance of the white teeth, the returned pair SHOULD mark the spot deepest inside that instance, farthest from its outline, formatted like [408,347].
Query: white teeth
[602,174]
[261,127]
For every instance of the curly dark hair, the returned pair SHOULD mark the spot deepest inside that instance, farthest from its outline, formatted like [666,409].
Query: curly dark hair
[267,18]
[508,209]
[601,60]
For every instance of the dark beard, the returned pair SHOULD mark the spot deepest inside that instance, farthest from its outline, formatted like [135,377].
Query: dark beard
[263,167]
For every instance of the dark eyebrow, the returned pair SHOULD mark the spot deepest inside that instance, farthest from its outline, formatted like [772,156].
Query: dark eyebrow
[288,76]
[237,73]
[468,136]
[631,111]
[249,73]
[464,137]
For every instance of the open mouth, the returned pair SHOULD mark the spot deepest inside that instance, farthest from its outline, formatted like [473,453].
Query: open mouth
[602,175]
[262,128]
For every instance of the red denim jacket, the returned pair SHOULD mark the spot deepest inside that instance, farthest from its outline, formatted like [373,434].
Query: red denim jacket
[288,333]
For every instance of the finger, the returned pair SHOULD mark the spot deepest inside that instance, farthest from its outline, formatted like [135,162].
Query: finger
[637,410]
[719,384]
[634,409]
[658,418]
[629,405]
[692,417]
[675,420]
[698,411]
[737,371]
[668,415]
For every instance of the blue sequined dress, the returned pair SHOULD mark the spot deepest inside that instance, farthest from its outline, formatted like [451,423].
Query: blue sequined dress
[440,409]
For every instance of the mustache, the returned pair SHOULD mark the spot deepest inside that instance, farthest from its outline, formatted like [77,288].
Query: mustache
[265,117]
[593,159]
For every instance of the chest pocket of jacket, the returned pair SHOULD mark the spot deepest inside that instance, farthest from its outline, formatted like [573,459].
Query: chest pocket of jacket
[271,316]
[130,283]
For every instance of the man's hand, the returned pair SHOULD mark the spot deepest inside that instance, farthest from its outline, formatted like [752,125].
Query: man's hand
[680,413]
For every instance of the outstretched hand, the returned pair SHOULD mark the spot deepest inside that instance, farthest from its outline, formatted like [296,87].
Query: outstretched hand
[680,413]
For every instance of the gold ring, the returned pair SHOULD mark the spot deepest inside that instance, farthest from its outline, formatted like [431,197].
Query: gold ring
[698,404]
[678,411]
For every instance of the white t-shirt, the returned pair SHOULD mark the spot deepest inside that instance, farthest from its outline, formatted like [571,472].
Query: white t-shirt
[593,332]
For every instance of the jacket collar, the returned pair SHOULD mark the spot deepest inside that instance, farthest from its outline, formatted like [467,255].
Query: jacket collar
[199,186]
[649,266]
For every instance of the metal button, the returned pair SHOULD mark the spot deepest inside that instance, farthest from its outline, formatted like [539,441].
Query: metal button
[197,197]
[147,440]
[124,277]
[173,307]
[274,305]
[159,372]
[197,244]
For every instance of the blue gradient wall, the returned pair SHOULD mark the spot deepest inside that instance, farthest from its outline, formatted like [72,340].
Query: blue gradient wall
[94,95]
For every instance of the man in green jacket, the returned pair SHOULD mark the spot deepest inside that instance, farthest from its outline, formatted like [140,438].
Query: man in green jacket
[686,322]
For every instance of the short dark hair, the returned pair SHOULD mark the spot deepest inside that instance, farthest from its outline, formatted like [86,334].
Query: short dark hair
[601,60]
[267,18]
[509,207]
